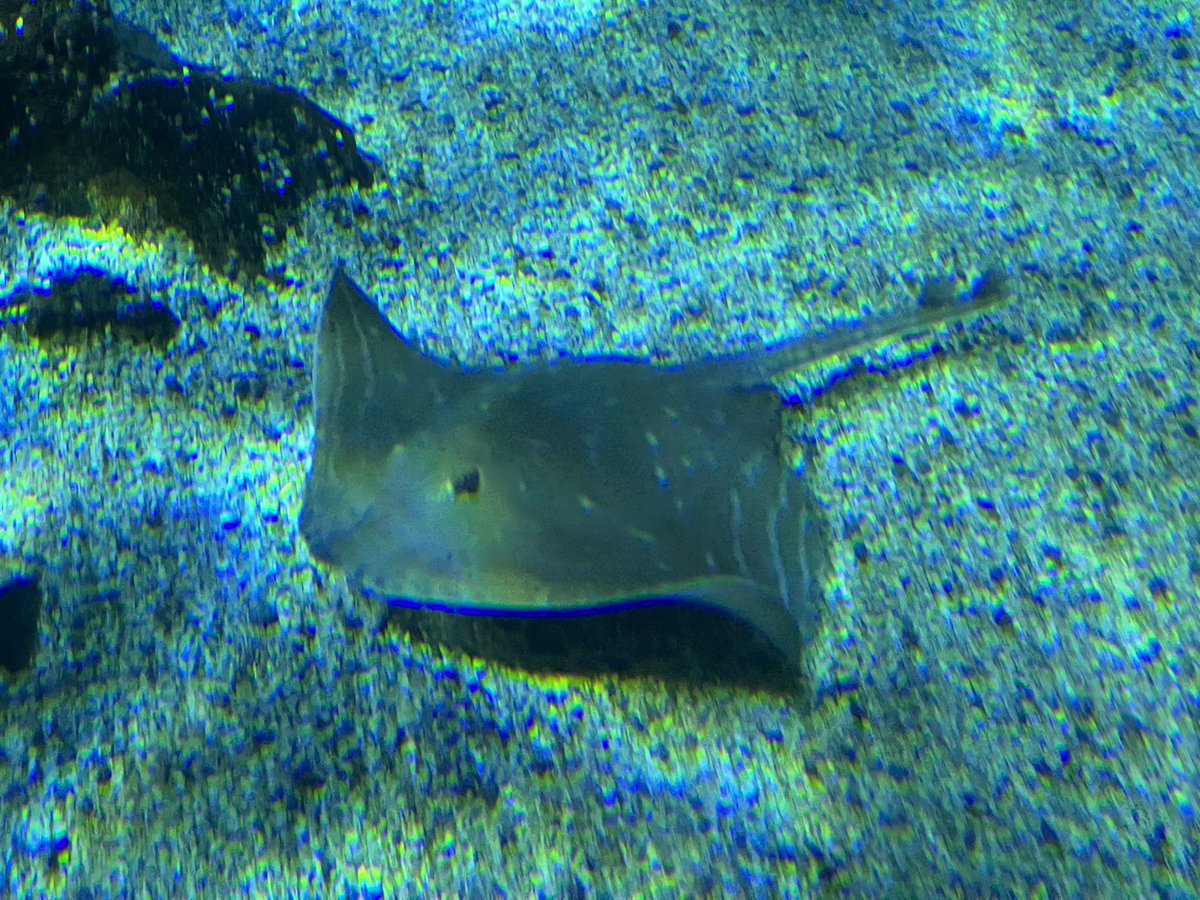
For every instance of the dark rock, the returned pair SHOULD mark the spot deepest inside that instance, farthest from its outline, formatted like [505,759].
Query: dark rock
[96,118]
[20,609]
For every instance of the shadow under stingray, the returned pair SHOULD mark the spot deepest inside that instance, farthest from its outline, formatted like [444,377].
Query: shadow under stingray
[674,641]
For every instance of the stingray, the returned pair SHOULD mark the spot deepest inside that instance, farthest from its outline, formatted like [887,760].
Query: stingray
[571,487]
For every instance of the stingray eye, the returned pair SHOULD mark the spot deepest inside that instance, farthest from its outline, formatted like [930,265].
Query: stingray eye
[466,485]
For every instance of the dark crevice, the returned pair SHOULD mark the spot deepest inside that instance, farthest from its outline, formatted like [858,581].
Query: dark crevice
[91,302]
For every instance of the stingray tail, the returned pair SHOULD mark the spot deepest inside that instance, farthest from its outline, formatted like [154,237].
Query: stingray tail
[938,306]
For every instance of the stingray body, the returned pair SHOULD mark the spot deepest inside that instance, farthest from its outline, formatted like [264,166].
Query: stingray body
[571,487]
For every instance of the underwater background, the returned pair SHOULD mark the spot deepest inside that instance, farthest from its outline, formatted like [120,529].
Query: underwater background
[1001,698]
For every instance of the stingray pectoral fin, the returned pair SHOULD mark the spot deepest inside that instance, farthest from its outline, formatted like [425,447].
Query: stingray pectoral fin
[762,609]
